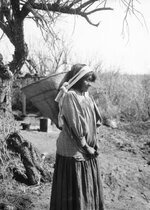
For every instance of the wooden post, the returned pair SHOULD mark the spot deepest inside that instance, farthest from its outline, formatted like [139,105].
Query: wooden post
[23,104]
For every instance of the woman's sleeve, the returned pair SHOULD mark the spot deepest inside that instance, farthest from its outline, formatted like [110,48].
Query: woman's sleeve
[73,113]
[99,119]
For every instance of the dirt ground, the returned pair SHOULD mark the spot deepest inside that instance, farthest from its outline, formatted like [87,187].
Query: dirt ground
[125,165]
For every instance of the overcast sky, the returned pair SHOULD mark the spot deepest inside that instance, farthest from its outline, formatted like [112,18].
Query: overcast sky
[129,51]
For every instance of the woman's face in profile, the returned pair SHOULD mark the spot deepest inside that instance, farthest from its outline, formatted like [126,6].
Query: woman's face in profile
[86,83]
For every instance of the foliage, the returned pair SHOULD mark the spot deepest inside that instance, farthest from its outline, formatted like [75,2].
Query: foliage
[124,97]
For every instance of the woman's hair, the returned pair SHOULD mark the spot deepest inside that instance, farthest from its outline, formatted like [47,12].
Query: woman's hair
[74,70]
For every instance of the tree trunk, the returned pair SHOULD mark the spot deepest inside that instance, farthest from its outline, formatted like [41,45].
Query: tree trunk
[21,49]
[6,116]
[7,124]
[9,73]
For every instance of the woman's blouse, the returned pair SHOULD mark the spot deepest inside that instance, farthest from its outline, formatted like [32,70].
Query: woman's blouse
[81,117]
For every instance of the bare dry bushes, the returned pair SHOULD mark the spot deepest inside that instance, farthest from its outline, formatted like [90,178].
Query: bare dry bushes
[123,97]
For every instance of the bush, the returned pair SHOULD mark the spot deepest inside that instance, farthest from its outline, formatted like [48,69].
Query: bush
[124,97]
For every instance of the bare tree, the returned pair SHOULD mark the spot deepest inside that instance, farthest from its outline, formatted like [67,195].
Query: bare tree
[57,56]
[44,12]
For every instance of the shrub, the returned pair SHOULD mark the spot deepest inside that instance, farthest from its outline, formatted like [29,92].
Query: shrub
[125,97]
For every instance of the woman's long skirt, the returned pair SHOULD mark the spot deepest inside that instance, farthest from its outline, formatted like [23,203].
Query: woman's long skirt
[76,185]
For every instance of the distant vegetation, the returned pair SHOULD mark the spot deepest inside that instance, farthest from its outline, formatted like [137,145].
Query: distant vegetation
[120,96]
[124,97]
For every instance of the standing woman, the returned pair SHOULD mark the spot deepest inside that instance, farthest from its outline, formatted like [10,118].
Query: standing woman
[76,181]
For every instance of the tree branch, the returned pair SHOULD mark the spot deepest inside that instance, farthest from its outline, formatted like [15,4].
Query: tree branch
[26,9]
[98,9]
[89,21]
[2,26]
[5,28]
[16,8]
[72,11]
[86,4]
[73,3]
[2,35]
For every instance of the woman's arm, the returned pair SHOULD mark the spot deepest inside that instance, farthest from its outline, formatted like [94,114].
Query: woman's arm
[75,121]
[73,114]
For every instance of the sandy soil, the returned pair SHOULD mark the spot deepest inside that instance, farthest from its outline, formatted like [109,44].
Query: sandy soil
[125,166]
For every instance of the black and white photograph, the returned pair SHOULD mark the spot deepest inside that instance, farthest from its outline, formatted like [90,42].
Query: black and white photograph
[74,105]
